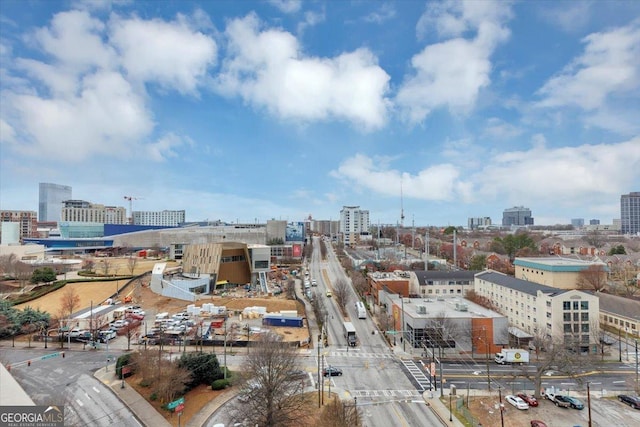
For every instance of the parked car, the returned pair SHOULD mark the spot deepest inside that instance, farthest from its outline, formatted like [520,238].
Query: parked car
[538,423]
[328,294]
[632,401]
[531,401]
[556,400]
[606,340]
[572,401]
[517,402]
[314,283]
[332,371]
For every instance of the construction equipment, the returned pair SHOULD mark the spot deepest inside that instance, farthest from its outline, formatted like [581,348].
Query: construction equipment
[130,199]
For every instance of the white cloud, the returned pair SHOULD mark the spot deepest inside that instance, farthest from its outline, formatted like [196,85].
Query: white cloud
[164,147]
[267,69]
[609,65]
[287,6]
[439,182]
[569,16]
[7,133]
[105,118]
[311,19]
[451,73]
[498,128]
[170,53]
[567,176]
[385,12]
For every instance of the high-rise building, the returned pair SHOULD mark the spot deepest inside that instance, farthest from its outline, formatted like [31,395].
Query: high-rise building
[50,201]
[630,213]
[594,222]
[480,222]
[577,222]
[164,218]
[518,215]
[353,222]
[27,222]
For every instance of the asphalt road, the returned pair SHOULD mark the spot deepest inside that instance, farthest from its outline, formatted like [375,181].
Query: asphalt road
[69,381]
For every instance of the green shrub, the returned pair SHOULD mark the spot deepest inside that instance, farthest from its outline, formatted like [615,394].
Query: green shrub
[220,384]
[154,396]
[122,361]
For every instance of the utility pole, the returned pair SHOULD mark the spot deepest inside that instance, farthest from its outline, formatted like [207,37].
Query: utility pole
[589,401]
[501,406]
[319,380]
[637,385]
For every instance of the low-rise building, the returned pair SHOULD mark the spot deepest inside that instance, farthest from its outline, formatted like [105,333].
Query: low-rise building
[619,313]
[557,272]
[568,316]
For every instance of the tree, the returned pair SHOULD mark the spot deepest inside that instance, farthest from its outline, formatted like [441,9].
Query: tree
[595,239]
[88,265]
[341,294]
[106,266]
[43,275]
[593,277]
[272,396]
[69,302]
[290,289]
[132,262]
[478,262]
[204,368]
[512,243]
[617,250]
[338,413]
[359,282]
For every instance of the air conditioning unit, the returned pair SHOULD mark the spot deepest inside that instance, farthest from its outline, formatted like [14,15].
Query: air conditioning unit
[462,307]
[440,299]
[422,309]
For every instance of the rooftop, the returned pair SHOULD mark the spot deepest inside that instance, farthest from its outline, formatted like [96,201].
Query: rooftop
[518,284]
[556,264]
[449,306]
[620,306]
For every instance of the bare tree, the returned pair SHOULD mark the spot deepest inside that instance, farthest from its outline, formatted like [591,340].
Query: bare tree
[595,239]
[172,380]
[338,413]
[88,265]
[290,289]
[593,277]
[359,282]
[272,396]
[341,294]
[132,262]
[385,322]
[106,266]
[69,302]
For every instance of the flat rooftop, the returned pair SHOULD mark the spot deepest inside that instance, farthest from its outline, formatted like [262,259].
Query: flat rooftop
[451,306]
[556,264]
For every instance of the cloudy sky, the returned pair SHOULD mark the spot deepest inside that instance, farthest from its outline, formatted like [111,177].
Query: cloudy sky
[247,111]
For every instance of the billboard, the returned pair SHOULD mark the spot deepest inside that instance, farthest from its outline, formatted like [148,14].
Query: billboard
[294,232]
[297,251]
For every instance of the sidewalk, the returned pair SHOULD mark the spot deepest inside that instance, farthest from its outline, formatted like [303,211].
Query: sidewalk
[440,409]
[144,412]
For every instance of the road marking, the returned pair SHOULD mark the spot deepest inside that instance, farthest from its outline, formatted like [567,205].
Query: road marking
[96,390]
[619,382]
[79,402]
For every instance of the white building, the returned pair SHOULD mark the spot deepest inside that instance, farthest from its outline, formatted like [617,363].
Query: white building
[353,223]
[82,211]
[568,316]
[163,218]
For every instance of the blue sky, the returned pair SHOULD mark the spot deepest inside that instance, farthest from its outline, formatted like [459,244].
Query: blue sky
[247,111]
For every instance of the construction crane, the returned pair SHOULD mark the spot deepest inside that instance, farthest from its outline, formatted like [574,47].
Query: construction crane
[131,199]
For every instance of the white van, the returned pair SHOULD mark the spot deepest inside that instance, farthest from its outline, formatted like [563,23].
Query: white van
[161,316]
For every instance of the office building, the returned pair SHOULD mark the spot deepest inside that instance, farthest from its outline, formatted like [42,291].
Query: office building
[630,213]
[558,272]
[480,222]
[353,222]
[50,201]
[577,222]
[594,222]
[164,218]
[518,216]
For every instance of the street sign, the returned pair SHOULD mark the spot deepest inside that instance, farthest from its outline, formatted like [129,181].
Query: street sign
[175,403]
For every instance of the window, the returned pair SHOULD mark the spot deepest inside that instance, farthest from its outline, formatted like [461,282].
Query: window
[548,315]
[566,317]
[584,305]
[585,339]
[567,327]
[585,327]
[584,317]
[566,305]
[575,305]
[576,317]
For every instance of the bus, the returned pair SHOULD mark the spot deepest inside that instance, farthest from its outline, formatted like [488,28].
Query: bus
[362,311]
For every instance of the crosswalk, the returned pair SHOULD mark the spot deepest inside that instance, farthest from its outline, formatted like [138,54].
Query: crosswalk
[417,373]
[361,355]
[385,394]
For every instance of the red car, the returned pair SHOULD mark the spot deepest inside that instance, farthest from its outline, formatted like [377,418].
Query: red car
[538,423]
[532,401]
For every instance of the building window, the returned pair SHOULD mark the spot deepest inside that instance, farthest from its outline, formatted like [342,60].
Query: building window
[576,317]
[584,317]
[566,305]
[548,315]
[566,317]
[567,327]
[584,305]
[585,327]
[575,305]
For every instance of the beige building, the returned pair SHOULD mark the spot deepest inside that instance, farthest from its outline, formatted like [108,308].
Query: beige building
[568,316]
[27,221]
[557,272]
[620,313]
[81,211]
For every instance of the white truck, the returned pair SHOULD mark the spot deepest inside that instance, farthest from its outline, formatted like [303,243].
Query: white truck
[512,355]
[350,334]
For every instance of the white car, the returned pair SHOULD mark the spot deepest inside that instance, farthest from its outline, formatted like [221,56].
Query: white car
[517,402]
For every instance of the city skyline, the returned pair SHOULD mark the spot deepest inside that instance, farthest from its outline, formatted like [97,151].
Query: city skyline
[248,111]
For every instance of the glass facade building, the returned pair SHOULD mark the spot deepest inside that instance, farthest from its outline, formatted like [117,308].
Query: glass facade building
[50,201]
[630,213]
